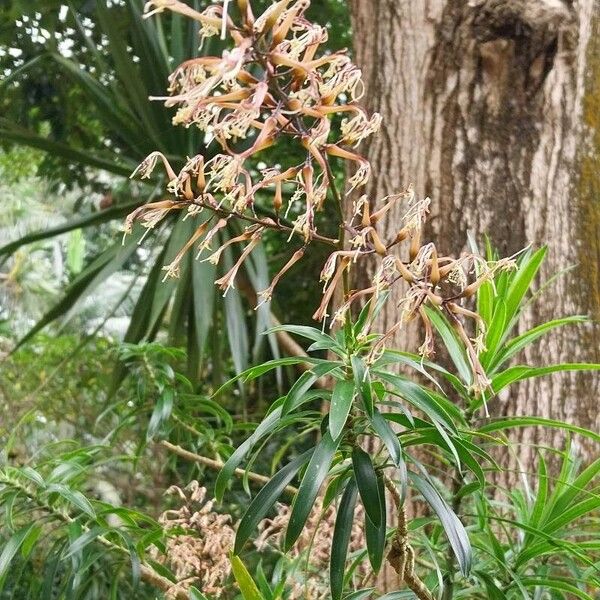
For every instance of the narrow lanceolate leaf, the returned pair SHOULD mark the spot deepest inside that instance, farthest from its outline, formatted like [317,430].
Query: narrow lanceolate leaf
[266,367]
[97,218]
[453,344]
[11,548]
[244,579]
[73,497]
[360,594]
[375,535]
[495,332]
[341,539]
[161,413]
[384,430]
[307,332]
[433,405]
[225,474]
[315,474]
[455,531]
[542,493]
[556,584]
[362,380]
[370,312]
[520,372]
[366,479]
[341,403]
[98,271]
[521,282]
[491,588]
[235,321]
[571,490]
[196,595]
[113,164]
[520,342]
[304,383]
[264,500]
[512,422]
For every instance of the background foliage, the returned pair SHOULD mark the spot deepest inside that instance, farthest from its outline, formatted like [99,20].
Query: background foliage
[80,452]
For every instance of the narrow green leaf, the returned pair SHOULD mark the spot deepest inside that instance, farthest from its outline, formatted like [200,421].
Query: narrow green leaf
[225,474]
[196,595]
[97,218]
[521,282]
[260,370]
[32,475]
[556,584]
[101,268]
[492,589]
[571,490]
[341,403]
[128,73]
[115,115]
[161,413]
[11,548]
[485,301]
[495,332]
[369,312]
[244,579]
[304,383]
[520,372]
[453,344]
[341,538]
[315,474]
[203,275]
[115,165]
[375,535]
[423,399]
[74,497]
[388,436]
[306,332]
[264,500]
[572,514]
[163,292]
[520,342]
[455,531]
[30,540]
[237,331]
[366,479]
[82,541]
[509,423]
[542,493]
[362,380]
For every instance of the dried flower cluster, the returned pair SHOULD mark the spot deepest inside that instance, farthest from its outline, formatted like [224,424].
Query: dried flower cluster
[199,542]
[276,84]
[316,541]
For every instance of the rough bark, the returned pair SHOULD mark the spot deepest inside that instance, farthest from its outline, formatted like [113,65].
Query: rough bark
[490,107]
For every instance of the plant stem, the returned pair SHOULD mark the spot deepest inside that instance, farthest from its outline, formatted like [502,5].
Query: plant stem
[218,465]
[402,556]
[269,224]
[341,243]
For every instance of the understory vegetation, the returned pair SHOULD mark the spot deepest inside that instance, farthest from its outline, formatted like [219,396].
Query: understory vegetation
[197,399]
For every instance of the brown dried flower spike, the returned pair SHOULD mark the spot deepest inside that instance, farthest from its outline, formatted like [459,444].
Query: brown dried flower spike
[273,84]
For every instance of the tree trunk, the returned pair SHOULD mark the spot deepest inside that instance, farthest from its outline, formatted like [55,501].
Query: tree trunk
[490,107]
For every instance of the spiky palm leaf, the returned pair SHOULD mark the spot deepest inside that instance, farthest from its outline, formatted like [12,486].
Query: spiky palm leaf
[117,81]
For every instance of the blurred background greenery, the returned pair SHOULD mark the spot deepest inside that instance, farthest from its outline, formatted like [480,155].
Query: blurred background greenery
[75,121]
[99,358]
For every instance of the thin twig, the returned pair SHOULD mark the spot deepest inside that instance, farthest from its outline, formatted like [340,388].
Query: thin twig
[269,224]
[218,465]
